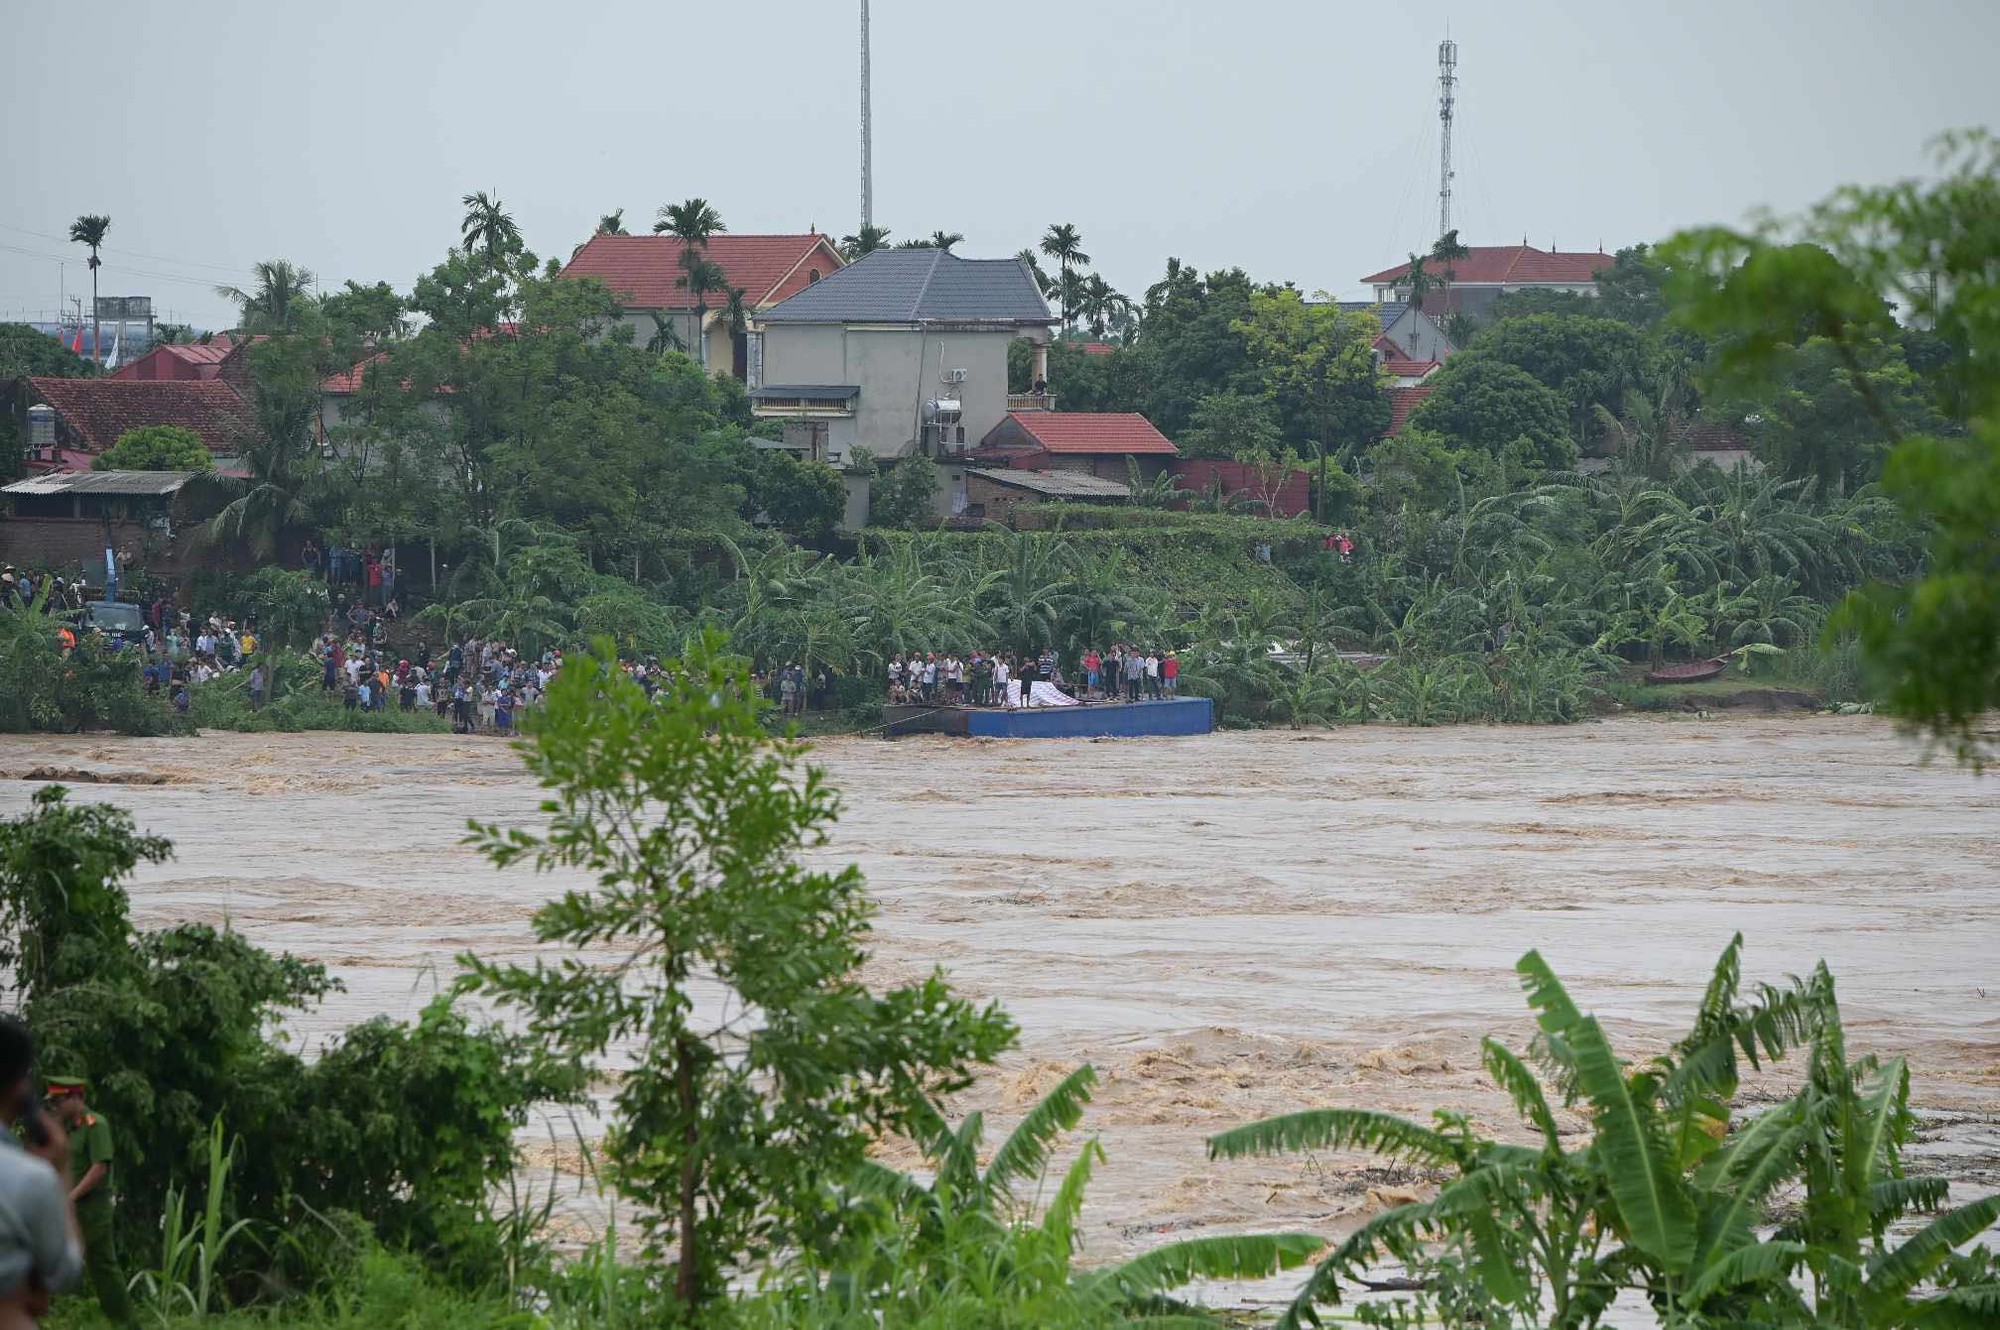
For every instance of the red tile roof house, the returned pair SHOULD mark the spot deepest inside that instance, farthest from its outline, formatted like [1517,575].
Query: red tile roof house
[1489,271]
[644,274]
[1097,442]
[183,361]
[92,414]
[1403,401]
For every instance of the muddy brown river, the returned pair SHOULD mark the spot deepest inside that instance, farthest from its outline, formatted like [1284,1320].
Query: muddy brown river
[1228,926]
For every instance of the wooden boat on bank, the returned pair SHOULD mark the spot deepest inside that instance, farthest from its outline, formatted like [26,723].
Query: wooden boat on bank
[1693,671]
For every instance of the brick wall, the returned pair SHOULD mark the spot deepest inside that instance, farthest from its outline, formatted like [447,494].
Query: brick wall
[69,545]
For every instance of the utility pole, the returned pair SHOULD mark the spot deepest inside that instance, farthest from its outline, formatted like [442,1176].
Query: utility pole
[1447,97]
[867,132]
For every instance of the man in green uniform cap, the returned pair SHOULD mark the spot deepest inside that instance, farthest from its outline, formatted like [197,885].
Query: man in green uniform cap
[90,1191]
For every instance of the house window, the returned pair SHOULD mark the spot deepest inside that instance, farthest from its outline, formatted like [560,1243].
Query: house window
[812,275]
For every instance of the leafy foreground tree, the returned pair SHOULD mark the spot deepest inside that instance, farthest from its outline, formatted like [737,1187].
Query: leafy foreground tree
[965,1246]
[1673,1197]
[761,1067]
[409,1129]
[1821,285]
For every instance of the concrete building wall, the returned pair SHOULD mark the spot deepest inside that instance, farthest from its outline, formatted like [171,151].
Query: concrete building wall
[1418,335]
[897,369]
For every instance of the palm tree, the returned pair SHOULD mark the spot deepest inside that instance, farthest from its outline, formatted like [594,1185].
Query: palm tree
[488,227]
[866,241]
[1100,304]
[1419,279]
[944,240]
[665,337]
[1446,252]
[90,229]
[701,279]
[612,223]
[693,223]
[282,292]
[1063,244]
[1042,279]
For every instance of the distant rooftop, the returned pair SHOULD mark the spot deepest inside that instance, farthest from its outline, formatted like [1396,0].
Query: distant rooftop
[645,271]
[122,483]
[1506,265]
[919,286]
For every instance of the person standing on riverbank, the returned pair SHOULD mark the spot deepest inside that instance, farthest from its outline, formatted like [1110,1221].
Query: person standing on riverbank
[90,1159]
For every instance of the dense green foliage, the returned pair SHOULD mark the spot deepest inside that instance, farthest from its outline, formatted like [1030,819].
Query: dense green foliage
[409,1125]
[25,350]
[44,687]
[966,1245]
[1676,1196]
[760,1066]
[1799,315]
[155,448]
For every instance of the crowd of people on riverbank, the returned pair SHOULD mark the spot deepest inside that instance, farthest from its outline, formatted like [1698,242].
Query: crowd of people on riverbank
[479,686]
[994,678]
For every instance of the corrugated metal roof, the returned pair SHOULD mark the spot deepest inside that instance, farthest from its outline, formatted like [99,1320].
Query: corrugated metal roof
[919,286]
[101,482]
[1058,484]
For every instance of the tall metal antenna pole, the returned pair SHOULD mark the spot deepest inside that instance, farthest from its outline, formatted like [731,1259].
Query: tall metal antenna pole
[867,132]
[1447,96]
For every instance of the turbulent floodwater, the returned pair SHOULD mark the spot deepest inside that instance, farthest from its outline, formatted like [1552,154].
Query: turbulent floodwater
[1228,926]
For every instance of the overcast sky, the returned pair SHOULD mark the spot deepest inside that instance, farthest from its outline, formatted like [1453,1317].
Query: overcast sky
[1296,138]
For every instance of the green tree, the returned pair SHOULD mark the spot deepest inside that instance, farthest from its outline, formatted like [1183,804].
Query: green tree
[89,231]
[1063,243]
[155,448]
[489,229]
[279,301]
[904,494]
[866,241]
[1232,425]
[1929,245]
[1480,404]
[363,316]
[694,222]
[1100,305]
[408,1127]
[1592,362]
[806,499]
[703,278]
[25,351]
[612,223]
[1831,412]
[1447,251]
[735,1117]
[1319,365]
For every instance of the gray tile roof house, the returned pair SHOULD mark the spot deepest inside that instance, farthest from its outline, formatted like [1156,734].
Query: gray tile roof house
[919,286]
[1387,310]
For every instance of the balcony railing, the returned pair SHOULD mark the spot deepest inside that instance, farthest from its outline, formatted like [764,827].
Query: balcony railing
[1031,401]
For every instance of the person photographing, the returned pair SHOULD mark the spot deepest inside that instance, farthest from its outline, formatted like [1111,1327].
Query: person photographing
[90,1194]
[41,1247]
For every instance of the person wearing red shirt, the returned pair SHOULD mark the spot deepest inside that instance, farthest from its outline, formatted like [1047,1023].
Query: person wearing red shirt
[1170,674]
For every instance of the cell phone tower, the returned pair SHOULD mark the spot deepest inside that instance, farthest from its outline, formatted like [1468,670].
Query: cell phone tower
[867,132]
[1447,99]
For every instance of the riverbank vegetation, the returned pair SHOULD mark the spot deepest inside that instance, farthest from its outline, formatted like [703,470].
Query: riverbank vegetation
[1540,525]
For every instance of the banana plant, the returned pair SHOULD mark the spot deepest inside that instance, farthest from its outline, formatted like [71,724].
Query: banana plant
[982,1230]
[1668,1197]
